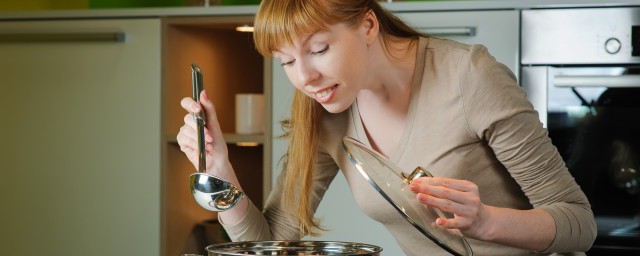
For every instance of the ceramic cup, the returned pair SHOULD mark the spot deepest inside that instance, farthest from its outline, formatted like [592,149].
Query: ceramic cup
[249,113]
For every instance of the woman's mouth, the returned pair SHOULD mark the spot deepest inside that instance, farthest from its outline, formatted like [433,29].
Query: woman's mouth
[325,95]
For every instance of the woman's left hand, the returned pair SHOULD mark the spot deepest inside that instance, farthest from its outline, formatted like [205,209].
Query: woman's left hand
[459,197]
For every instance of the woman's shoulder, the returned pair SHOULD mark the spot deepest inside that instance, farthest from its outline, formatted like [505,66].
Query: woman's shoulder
[465,58]
[443,44]
[448,48]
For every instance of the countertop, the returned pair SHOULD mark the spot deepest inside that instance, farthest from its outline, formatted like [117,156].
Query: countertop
[251,9]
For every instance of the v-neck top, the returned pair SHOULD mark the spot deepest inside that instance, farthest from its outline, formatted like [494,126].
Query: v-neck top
[416,82]
[468,119]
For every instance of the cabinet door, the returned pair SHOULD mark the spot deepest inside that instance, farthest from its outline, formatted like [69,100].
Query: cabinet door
[80,150]
[497,30]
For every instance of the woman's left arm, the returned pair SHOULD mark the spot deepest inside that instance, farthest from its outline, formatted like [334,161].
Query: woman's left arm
[483,222]
[498,112]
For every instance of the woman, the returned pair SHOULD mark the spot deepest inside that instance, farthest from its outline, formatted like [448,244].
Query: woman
[447,107]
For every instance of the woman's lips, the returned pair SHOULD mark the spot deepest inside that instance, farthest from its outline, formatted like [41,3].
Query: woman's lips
[325,95]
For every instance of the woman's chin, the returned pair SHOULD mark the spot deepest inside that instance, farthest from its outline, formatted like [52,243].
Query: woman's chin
[335,107]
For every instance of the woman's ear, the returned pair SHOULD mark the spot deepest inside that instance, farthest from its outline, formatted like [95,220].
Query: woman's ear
[371,27]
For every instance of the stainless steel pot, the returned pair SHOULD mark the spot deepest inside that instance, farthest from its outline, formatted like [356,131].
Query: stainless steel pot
[292,248]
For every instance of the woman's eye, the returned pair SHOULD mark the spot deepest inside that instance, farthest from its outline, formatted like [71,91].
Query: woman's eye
[288,63]
[321,51]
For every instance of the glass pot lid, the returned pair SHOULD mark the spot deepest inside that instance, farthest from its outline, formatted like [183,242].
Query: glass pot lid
[393,184]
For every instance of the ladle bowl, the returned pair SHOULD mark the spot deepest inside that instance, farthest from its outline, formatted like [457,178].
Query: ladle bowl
[213,193]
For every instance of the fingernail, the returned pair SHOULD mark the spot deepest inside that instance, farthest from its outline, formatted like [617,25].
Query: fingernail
[208,138]
[196,107]
[439,221]
[204,95]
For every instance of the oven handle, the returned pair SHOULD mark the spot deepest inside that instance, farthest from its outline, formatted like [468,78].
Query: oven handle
[623,81]
[117,37]
[448,31]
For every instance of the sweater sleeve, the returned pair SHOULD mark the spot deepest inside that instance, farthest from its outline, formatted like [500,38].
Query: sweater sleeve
[275,223]
[498,112]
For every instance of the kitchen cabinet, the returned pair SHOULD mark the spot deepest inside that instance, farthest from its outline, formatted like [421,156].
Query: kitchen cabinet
[497,30]
[80,151]
[90,112]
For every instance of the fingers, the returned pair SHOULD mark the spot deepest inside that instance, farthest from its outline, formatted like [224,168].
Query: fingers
[453,223]
[459,197]
[447,205]
[443,192]
[209,108]
[191,122]
[216,148]
[190,105]
[187,138]
[460,185]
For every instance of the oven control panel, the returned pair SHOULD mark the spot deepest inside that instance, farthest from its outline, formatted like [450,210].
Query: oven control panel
[584,36]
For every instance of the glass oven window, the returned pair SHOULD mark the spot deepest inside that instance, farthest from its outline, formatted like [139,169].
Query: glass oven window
[596,128]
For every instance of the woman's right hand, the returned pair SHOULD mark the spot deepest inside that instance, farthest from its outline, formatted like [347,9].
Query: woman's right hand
[217,155]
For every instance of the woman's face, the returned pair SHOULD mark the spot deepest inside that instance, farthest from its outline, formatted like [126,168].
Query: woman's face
[330,66]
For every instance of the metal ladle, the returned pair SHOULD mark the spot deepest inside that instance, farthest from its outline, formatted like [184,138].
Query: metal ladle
[209,191]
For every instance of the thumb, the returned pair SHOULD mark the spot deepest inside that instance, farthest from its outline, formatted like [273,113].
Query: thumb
[210,112]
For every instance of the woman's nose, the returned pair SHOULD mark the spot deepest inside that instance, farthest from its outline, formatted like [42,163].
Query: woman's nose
[307,74]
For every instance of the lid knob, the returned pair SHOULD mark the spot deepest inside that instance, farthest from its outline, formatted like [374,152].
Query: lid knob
[417,173]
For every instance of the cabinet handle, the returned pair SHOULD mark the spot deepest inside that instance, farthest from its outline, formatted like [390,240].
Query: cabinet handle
[62,37]
[624,81]
[448,31]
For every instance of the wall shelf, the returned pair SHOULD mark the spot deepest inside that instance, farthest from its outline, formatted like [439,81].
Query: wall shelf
[230,65]
[230,138]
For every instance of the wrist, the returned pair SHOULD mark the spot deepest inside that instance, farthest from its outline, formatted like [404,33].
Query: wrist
[219,166]
[488,224]
[224,171]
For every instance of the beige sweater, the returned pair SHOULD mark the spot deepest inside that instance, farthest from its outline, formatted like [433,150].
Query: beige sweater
[468,119]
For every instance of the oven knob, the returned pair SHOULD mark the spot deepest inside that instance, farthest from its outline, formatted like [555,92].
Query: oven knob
[612,46]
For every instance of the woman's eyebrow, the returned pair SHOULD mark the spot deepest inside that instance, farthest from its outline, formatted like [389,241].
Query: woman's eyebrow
[304,41]
[322,32]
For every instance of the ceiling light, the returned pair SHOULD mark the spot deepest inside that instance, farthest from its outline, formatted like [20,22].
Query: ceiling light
[244,28]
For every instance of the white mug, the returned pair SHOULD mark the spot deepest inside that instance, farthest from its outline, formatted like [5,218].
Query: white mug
[249,113]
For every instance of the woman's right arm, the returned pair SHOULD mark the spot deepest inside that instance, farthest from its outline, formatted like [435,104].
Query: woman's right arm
[217,154]
[245,222]
[276,222]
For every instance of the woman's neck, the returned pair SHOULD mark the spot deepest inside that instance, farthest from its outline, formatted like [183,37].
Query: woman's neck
[392,73]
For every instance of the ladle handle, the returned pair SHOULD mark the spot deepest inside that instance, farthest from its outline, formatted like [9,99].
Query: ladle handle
[196,82]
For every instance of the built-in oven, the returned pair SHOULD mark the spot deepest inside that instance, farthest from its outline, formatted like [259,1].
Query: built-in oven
[581,70]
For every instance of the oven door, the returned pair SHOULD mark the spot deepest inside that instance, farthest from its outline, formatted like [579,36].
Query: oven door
[593,118]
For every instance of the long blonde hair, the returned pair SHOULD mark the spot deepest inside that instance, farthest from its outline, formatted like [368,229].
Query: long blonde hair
[277,23]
